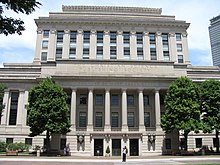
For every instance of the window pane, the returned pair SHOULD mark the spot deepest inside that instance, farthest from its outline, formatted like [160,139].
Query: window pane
[13,108]
[168,143]
[28,141]
[146,100]
[198,142]
[130,119]
[178,37]
[44,56]
[147,119]
[98,119]
[73,35]
[99,37]
[114,119]
[82,119]
[86,37]
[130,100]
[126,36]
[99,100]
[180,58]
[113,37]
[83,99]
[115,100]
[46,33]
[45,44]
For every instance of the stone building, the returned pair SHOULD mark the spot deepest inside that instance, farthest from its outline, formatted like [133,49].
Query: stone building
[115,63]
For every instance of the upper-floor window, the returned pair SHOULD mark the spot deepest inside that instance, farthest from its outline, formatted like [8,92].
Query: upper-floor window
[85,53]
[180,58]
[72,53]
[59,53]
[113,37]
[131,120]
[82,119]
[130,100]
[98,119]
[126,52]
[13,108]
[45,44]
[114,100]
[139,36]
[60,36]
[99,99]
[46,33]
[99,53]
[178,37]
[140,53]
[113,52]
[179,47]
[152,37]
[147,119]
[83,99]
[44,56]
[100,37]
[126,36]
[73,35]
[86,37]
[165,37]
[146,100]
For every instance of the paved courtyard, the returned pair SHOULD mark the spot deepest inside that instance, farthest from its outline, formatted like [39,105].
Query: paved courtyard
[104,161]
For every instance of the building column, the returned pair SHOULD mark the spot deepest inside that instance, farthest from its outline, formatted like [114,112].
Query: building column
[5,111]
[24,117]
[120,45]
[106,45]
[90,110]
[185,48]
[20,108]
[157,109]
[124,111]
[107,110]
[38,49]
[141,110]
[146,46]
[52,46]
[73,110]
[172,47]
[79,44]
[93,45]
[133,45]
[159,46]
[66,44]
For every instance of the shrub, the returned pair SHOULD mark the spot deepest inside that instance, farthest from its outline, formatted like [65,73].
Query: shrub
[2,146]
[17,147]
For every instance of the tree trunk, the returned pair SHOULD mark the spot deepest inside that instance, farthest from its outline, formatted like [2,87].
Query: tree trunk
[48,142]
[217,140]
[186,140]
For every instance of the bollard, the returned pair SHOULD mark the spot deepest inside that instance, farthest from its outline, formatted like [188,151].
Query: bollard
[38,153]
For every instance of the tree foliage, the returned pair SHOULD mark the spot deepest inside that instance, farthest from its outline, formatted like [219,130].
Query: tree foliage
[9,25]
[182,107]
[210,102]
[2,88]
[48,110]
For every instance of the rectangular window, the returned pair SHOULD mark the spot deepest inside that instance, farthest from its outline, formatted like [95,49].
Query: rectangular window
[46,33]
[44,44]
[114,100]
[214,142]
[180,58]
[146,100]
[113,37]
[99,53]
[130,119]
[165,37]
[72,53]
[166,55]
[59,53]
[82,119]
[99,99]
[100,37]
[130,100]
[126,36]
[179,47]
[83,99]
[98,119]
[198,142]
[13,108]
[126,52]
[147,119]
[62,143]
[115,119]
[153,52]
[152,36]
[86,37]
[73,35]
[140,53]
[60,36]
[113,52]
[9,140]
[139,36]
[178,37]
[85,53]
[44,56]
[28,141]
[168,143]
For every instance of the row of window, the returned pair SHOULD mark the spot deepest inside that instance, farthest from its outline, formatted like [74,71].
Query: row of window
[113,47]
[99,100]
[99,122]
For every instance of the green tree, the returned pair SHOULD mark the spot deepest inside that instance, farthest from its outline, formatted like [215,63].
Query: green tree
[210,101]
[2,88]
[182,106]
[9,25]
[48,110]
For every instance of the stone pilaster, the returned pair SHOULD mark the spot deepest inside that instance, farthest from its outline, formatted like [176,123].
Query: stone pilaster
[5,111]
[133,45]
[90,110]
[79,44]
[52,46]
[66,44]
[120,45]
[107,110]
[38,49]
[172,47]
[93,43]
[73,110]
[20,108]
[185,48]
[141,110]
[159,46]
[124,111]
[146,46]
[106,45]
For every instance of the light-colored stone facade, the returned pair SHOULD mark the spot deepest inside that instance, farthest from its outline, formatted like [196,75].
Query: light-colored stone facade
[115,63]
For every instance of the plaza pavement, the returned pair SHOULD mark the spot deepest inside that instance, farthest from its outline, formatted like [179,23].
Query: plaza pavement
[71,160]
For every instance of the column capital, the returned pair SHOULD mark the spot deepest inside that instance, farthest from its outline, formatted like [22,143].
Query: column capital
[67,31]
[39,31]
[80,31]
[93,32]
[156,89]
[107,89]
[184,34]
[123,89]
[106,32]
[53,31]
[119,32]
[172,34]
[158,33]
[91,89]
[145,33]
[132,32]
[73,89]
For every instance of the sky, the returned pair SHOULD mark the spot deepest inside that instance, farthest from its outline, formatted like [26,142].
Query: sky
[21,49]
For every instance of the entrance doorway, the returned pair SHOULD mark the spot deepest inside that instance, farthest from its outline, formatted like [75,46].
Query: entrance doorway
[116,147]
[134,147]
[98,147]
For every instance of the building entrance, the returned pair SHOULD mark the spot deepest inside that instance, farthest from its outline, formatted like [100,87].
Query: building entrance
[98,147]
[134,147]
[116,147]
